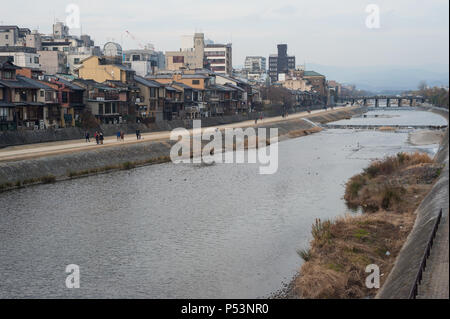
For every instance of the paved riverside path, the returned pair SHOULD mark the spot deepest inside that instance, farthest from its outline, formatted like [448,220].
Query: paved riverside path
[28,151]
[435,282]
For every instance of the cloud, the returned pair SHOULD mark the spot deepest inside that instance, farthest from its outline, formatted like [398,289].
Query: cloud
[325,31]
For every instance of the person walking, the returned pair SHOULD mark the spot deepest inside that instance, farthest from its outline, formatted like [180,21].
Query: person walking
[88,137]
[119,134]
[97,137]
[122,136]
[101,138]
[137,134]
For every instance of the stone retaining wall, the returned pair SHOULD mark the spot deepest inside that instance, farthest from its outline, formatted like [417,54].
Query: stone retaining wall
[61,166]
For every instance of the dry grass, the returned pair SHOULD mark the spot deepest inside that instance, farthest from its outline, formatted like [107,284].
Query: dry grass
[342,249]
[387,129]
[299,133]
[385,184]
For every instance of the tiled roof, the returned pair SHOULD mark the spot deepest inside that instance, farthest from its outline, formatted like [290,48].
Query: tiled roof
[146,82]
[184,86]
[19,83]
[312,73]
[36,83]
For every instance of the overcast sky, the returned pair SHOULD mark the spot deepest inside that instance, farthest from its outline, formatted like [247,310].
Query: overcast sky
[328,32]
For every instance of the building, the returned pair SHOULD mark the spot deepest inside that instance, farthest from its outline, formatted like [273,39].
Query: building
[53,62]
[12,35]
[317,81]
[112,49]
[219,58]
[151,99]
[281,63]
[187,57]
[27,103]
[60,30]
[255,64]
[104,69]
[145,61]
[108,104]
[21,56]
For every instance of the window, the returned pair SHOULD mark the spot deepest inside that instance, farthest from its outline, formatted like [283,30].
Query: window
[76,61]
[41,93]
[55,49]
[195,82]
[178,59]
[100,108]
[48,96]
[36,60]
[108,108]
[7,75]
[6,36]
[152,92]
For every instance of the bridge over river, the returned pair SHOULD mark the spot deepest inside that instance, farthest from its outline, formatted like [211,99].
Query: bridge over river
[400,100]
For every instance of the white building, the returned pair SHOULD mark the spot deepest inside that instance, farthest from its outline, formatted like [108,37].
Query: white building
[22,56]
[220,58]
[255,64]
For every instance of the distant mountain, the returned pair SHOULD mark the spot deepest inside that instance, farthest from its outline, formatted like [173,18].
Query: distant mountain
[385,78]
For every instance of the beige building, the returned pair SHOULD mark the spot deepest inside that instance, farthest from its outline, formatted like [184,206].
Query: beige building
[297,84]
[187,58]
[53,62]
[103,69]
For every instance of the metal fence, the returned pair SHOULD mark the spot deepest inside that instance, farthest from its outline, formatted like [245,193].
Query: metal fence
[423,265]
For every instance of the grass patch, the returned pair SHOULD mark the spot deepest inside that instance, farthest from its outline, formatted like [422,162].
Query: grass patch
[389,191]
[304,254]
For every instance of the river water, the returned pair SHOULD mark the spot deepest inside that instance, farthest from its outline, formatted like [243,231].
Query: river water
[185,231]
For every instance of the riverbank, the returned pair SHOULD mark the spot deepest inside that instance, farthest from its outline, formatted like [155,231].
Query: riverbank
[388,192]
[402,197]
[26,166]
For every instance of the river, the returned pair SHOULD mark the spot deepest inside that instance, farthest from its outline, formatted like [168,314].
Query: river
[186,231]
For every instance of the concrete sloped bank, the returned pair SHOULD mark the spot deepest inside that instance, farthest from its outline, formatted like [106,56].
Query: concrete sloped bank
[401,279]
[80,163]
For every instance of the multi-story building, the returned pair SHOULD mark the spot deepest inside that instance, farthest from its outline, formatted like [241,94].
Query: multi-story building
[107,104]
[255,64]
[21,56]
[104,69]
[187,57]
[53,62]
[219,58]
[317,81]
[29,104]
[145,61]
[151,99]
[12,35]
[281,63]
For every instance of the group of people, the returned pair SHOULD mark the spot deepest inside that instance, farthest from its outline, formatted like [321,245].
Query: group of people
[99,137]
[120,136]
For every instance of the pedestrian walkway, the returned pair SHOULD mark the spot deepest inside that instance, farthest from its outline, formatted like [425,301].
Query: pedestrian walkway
[22,152]
[435,283]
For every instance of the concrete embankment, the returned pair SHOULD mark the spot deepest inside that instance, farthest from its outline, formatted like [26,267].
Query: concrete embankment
[19,173]
[402,277]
